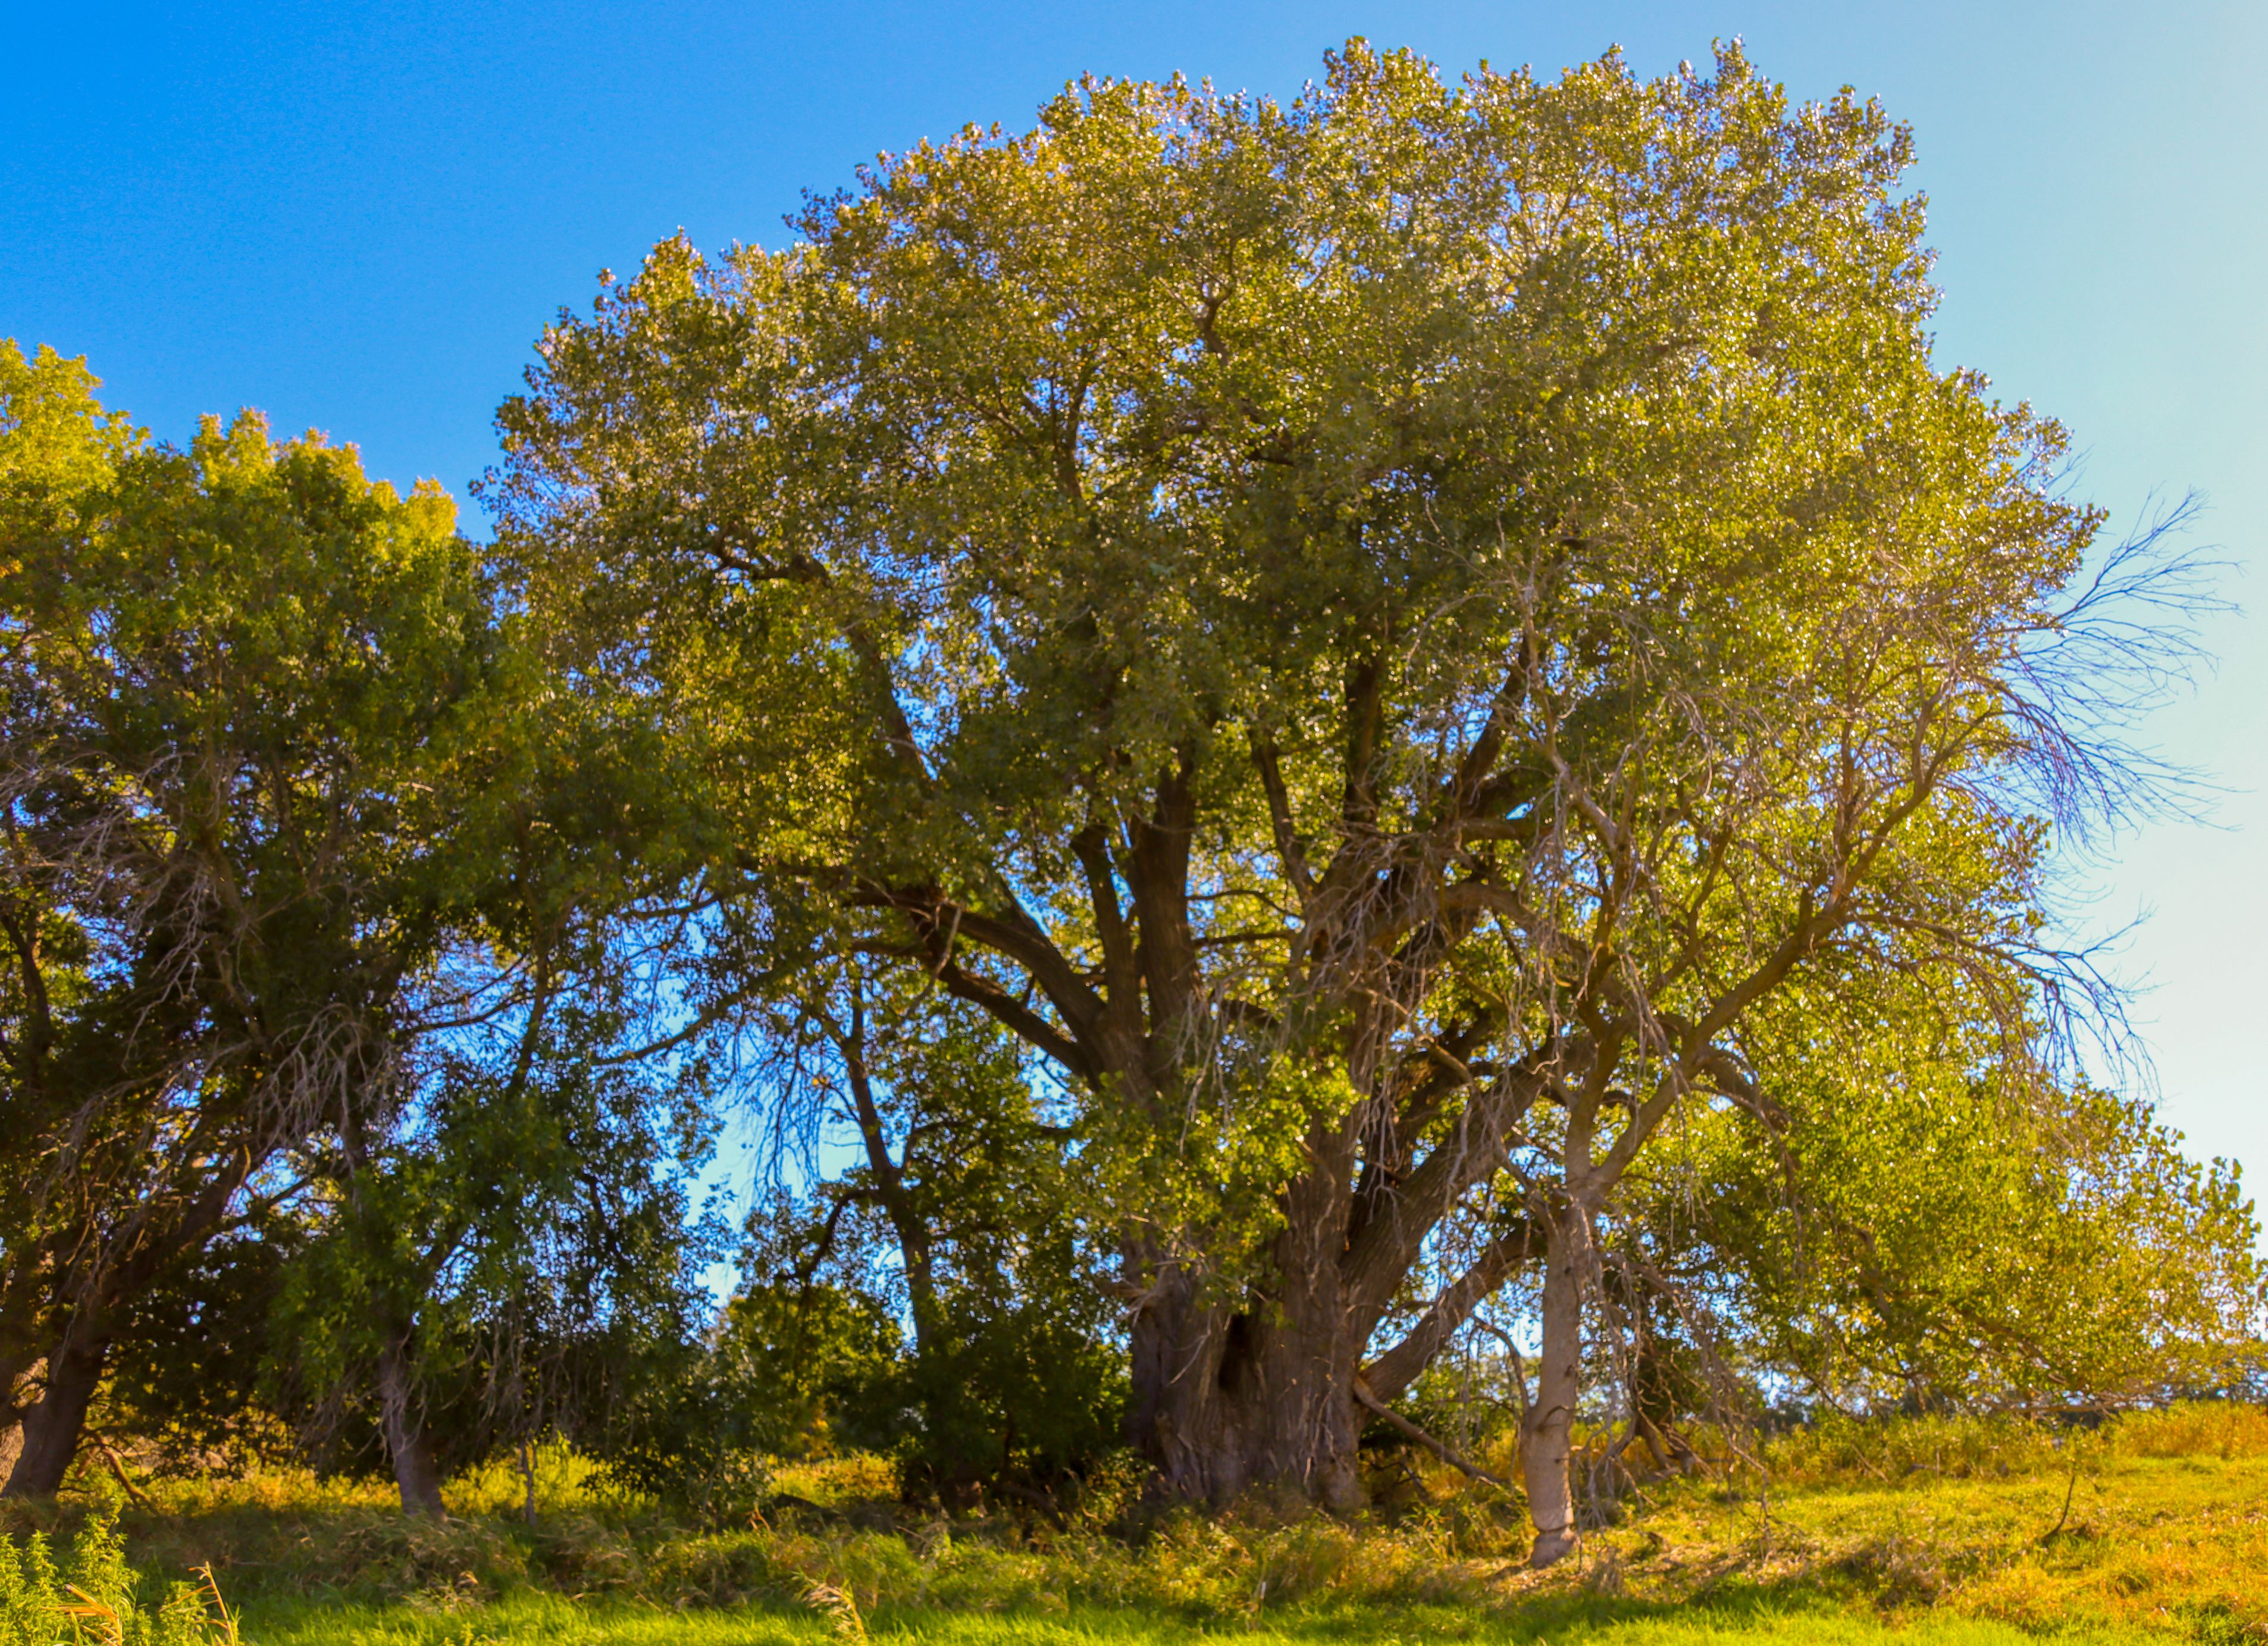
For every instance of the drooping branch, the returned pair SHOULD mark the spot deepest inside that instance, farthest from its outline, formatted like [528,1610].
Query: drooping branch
[1370,1402]
[1391,1239]
[1395,1370]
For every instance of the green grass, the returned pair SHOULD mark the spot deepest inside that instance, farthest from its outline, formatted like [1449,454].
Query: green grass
[1918,1533]
[529,1618]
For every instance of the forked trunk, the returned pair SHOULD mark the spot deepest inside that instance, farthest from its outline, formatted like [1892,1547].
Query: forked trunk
[415,1471]
[1547,1435]
[51,1429]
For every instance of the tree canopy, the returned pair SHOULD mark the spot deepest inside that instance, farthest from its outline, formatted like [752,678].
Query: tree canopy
[298,889]
[232,675]
[1393,640]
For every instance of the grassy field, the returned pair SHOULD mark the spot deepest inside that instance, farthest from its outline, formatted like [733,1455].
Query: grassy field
[2153,1529]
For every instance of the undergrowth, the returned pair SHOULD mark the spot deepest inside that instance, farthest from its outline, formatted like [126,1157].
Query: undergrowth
[93,1596]
[2154,1522]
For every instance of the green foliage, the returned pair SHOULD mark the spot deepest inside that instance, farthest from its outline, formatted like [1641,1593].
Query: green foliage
[964,1217]
[186,1378]
[316,960]
[782,1375]
[1239,719]
[534,1220]
[1915,1221]
[243,690]
[93,1600]
[813,1365]
[57,441]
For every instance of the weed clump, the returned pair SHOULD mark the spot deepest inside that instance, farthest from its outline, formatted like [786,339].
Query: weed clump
[93,1598]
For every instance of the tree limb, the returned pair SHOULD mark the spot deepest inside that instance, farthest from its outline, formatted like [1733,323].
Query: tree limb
[1394,1420]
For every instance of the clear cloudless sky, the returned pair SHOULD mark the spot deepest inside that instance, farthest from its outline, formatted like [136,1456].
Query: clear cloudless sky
[358,218]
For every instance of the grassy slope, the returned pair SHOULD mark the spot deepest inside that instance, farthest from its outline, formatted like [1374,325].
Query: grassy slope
[1920,1533]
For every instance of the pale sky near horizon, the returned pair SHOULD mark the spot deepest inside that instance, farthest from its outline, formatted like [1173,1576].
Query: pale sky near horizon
[359,219]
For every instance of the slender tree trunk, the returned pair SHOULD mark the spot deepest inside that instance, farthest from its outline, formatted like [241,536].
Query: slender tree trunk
[906,1222]
[415,1471]
[51,1429]
[1547,1435]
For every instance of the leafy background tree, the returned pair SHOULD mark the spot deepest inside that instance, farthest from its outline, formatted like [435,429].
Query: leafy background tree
[519,1255]
[273,766]
[958,1214]
[234,676]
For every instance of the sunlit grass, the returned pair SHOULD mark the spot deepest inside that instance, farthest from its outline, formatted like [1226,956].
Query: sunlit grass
[549,1619]
[2154,1528]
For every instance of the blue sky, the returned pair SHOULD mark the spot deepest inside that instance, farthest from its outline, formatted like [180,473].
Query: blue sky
[359,219]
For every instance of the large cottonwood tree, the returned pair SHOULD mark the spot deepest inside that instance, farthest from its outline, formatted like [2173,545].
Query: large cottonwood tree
[1374,634]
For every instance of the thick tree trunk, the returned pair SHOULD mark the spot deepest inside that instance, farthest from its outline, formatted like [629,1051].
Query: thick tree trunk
[1547,1437]
[19,1377]
[51,1429]
[1228,1400]
[415,1471]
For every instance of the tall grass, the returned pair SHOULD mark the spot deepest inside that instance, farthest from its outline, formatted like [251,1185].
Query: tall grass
[93,1598]
[2153,1521]
[1840,1449]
